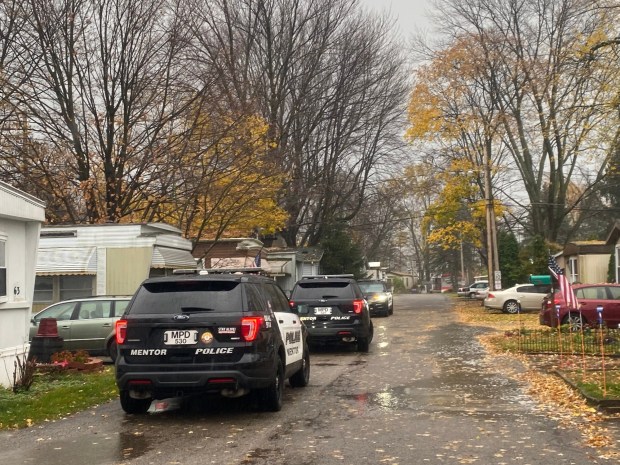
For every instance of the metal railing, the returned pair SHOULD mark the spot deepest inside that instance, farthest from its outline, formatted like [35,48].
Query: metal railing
[590,341]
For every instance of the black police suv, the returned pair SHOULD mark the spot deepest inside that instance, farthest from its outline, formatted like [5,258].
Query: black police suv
[333,309]
[226,333]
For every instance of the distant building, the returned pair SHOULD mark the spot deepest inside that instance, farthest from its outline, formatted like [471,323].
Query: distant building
[613,240]
[407,278]
[288,265]
[237,252]
[105,259]
[586,261]
[285,265]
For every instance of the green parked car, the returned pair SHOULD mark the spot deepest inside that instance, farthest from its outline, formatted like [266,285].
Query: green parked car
[85,324]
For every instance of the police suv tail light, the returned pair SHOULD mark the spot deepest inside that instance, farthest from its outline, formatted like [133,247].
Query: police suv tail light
[120,331]
[358,306]
[250,325]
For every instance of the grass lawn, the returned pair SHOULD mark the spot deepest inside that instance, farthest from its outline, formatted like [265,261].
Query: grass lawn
[55,395]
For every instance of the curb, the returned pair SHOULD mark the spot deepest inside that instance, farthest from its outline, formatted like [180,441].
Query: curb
[608,405]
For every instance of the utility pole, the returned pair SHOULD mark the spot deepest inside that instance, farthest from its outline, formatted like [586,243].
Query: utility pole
[465,281]
[492,255]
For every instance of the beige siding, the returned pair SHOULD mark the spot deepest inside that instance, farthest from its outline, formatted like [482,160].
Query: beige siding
[126,268]
[593,268]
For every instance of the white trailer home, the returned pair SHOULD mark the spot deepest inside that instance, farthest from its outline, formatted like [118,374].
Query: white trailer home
[105,259]
[21,216]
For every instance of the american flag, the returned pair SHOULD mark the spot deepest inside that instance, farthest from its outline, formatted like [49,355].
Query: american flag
[565,288]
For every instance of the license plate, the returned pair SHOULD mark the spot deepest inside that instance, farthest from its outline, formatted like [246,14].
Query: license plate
[322,310]
[180,337]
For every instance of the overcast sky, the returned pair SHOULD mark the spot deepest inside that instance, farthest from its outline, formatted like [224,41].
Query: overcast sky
[410,14]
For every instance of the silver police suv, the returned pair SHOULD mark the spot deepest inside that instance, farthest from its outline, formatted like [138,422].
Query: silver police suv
[228,333]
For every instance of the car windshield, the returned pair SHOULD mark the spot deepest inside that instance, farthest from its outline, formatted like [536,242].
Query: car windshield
[371,287]
[188,296]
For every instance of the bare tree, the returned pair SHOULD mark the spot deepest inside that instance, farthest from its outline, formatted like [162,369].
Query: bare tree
[101,101]
[550,96]
[14,73]
[329,82]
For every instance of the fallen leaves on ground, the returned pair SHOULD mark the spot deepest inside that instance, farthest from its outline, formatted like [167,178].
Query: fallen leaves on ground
[554,397]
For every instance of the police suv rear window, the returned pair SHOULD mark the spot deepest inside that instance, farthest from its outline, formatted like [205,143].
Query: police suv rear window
[324,290]
[188,297]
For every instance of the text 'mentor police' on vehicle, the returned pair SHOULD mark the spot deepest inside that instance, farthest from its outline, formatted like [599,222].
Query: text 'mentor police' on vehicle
[219,333]
[333,309]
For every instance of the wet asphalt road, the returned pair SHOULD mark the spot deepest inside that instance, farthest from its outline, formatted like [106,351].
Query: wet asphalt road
[424,394]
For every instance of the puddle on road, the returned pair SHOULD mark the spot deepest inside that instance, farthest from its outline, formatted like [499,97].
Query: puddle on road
[409,398]
[403,398]
[83,449]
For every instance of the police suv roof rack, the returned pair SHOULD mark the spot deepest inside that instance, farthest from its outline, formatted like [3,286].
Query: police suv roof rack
[188,271]
[327,276]
[248,270]
[252,270]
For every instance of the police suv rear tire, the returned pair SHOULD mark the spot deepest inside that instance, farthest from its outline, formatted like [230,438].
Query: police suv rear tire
[363,344]
[302,377]
[272,395]
[134,406]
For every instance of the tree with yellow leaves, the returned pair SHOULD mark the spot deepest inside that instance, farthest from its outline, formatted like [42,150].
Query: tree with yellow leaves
[522,92]
[225,182]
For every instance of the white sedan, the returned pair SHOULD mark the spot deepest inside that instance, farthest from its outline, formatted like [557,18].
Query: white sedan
[517,298]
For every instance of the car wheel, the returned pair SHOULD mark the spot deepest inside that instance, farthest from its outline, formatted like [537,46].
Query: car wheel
[112,347]
[392,309]
[511,306]
[134,406]
[302,377]
[471,295]
[272,395]
[574,321]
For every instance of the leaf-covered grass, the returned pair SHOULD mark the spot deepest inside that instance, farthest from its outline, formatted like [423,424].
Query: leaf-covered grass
[593,384]
[512,333]
[471,311]
[55,395]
